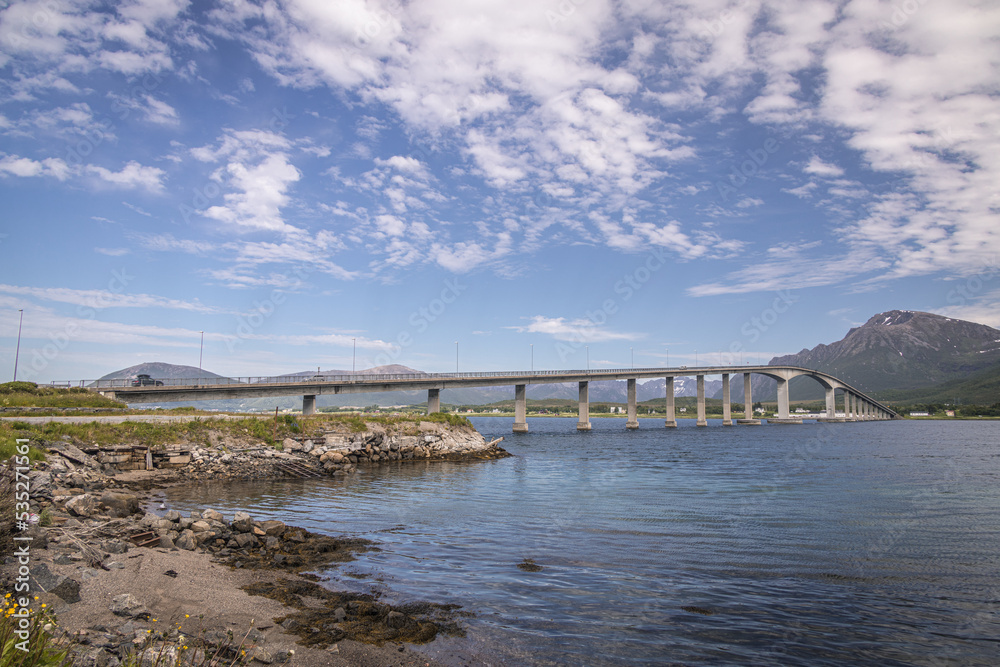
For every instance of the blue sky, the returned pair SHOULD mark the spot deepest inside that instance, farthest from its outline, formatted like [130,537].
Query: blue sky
[553,181]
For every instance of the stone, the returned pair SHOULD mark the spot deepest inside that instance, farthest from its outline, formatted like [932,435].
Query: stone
[212,515]
[129,606]
[244,540]
[258,531]
[272,542]
[242,522]
[307,446]
[114,546]
[340,614]
[84,505]
[149,519]
[120,504]
[295,535]
[172,515]
[290,445]
[200,526]
[186,541]
[261,655]
[96,657]
[272,527]
[185,522]
[396,620]
[166,542]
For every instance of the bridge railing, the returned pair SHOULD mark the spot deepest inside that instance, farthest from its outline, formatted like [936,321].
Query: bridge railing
[128,383]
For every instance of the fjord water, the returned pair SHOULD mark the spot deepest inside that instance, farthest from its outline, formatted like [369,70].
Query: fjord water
[864,543]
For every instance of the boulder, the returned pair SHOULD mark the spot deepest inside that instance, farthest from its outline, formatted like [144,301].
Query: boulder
[119,504]
[128,605]
[242,522]
[212,515]
[172,515]
[186,541]
[244,540]
[290,445]
[67,589]
[200,526]
[84,505]
[275,528]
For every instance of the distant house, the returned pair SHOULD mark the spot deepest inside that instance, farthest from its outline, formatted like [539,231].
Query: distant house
[950,413]
[684,409]
[922,414]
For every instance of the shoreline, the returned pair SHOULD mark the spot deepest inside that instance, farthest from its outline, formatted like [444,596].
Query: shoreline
[222,580]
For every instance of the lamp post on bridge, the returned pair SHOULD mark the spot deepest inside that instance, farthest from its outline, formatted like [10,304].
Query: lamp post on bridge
[532,345]
[354,359]
[201,350]
[633,357]
[588,357]
[456,356]
[17,351]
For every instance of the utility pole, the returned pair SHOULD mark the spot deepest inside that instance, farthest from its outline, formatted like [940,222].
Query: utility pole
[17,351]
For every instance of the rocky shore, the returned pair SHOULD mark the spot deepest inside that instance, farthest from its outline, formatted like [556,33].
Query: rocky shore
[125,581]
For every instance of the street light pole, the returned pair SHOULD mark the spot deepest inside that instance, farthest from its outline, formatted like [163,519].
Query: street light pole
[633,357]
[201,350]
[17,351]
[588,357]
[354,359]
[456,356]
[532,357]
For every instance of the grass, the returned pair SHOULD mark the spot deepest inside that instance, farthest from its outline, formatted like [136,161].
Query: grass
[267,430]
[35,648]
[28,394]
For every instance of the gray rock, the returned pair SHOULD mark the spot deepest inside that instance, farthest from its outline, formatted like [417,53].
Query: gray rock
[166,542]
[84,505]
[186,541]
[340,614]
[96,657]
[242,522]
[272,527]
[128,605]
[243,540]
[212,515]
[185,522]
[42,579]
[396,620]
[200,526]
[119,504]
[172,515]
[67,589]
[114,546]
[149,519]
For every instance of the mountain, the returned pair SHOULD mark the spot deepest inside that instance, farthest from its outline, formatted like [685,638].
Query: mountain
[896,351]
[606,392]
[161,371]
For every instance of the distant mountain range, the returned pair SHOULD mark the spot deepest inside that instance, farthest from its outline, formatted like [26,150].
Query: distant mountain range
[902,355]
[609,392]
[899,355]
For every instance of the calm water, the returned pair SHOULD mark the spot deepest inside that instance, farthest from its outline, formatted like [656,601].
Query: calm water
[867,543]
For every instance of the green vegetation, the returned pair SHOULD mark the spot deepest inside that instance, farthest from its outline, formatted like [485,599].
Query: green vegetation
[40,649]
[29,394]
[981,388]
[941,410]
[265,429]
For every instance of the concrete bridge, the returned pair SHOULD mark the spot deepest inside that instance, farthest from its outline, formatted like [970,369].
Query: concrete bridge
[857,406]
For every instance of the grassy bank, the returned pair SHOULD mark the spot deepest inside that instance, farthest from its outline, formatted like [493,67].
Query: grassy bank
[265,430]
[29,394]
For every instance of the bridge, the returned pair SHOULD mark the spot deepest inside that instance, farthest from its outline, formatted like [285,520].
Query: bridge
[857,406]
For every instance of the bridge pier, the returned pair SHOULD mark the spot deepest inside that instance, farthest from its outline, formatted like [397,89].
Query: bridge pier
[583,422]
[701,402]
[782,398]
[748,418]
[633,410]
[433,401]
[727,409]
[831,403]
[671,421]
[308,405]
[520,409]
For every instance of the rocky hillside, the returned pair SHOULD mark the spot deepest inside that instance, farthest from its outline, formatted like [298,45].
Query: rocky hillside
[900,350]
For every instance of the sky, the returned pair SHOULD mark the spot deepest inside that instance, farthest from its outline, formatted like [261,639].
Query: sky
[271,187]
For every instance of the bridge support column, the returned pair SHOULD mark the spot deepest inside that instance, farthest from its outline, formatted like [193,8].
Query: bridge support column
[831,403]
[633,411]
[433,401]
[520,409]
[727,408]
[701,402]
[747,397]
[671,421]
[308,405]
[783,399]
[583,423]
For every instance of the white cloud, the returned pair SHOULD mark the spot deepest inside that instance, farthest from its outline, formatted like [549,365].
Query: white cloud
[575,331]
[26,167]
[820,168]
[132,175]
[100,299]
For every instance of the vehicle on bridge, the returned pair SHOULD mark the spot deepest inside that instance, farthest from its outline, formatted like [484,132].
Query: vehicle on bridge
[143,380]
